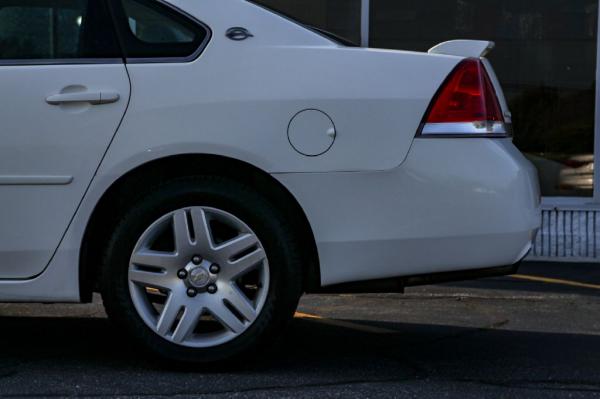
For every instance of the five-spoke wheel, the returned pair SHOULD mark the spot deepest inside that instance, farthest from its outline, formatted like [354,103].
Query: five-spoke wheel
[202,269]
[206,290]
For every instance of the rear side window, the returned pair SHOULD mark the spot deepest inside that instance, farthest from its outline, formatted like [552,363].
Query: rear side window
[56,30]
[151,30]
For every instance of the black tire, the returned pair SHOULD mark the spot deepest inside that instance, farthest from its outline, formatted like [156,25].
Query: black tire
[265,218]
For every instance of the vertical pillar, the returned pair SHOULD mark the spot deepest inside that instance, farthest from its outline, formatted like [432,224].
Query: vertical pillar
[365,22]
[596,199]
[597,119]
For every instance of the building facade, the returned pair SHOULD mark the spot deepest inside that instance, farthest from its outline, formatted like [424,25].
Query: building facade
[546,57]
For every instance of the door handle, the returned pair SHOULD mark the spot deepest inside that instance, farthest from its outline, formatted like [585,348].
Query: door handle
[92,97]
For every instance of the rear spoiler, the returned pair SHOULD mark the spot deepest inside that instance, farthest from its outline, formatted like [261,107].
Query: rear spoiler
[464,48]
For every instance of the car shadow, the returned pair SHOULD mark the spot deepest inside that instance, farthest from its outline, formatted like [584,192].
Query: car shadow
[586,273]
[88,356]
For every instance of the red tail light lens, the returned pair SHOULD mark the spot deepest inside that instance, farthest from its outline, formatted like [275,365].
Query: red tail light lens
[466,104]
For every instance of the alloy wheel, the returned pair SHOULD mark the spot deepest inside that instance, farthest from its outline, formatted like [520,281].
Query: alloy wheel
[198,277]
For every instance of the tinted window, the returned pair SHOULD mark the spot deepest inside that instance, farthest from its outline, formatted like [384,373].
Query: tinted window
[545,58]
[56,29]
[152,30]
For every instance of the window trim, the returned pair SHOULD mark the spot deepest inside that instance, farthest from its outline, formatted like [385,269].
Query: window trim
[165,60]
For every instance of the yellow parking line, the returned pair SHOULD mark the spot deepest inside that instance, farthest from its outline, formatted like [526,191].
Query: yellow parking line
[345,324]
[379,330]
[301,315]
[549,280]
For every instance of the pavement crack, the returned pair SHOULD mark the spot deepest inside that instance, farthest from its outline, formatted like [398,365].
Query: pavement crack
[242,391]
[548,385]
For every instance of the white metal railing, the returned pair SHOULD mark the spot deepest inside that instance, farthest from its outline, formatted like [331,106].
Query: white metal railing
[569,233]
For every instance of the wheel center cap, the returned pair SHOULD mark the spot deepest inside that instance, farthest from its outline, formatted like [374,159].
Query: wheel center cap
[199,277]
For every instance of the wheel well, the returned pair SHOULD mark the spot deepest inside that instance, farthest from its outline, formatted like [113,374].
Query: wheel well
[123,191]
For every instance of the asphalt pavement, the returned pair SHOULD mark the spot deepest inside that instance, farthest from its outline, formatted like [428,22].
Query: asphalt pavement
[535,335]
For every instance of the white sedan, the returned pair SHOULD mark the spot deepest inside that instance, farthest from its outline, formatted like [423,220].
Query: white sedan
[201,164]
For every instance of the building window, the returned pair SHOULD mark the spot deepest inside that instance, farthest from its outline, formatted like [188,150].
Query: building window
[545,58]
[341,17]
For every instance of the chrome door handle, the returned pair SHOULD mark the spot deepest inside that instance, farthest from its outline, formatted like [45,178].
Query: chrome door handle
[92,97]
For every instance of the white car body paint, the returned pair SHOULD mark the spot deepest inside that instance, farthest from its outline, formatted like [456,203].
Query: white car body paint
[380,203]
[453,205]
[48,155]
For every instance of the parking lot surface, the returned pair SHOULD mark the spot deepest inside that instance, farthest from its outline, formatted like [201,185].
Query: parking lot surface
[535,335]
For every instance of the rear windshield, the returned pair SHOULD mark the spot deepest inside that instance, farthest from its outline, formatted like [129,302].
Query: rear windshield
[335,37]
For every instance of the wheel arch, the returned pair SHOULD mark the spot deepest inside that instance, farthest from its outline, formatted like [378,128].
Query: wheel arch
[123,190]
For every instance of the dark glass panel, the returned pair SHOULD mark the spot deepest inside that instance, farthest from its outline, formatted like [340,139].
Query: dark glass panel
[341,17]
[545,58]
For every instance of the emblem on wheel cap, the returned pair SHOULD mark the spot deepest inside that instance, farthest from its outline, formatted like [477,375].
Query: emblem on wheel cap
[199,277]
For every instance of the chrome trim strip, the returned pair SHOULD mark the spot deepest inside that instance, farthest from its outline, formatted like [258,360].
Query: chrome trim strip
[465,129]
[35,180]
[484,128]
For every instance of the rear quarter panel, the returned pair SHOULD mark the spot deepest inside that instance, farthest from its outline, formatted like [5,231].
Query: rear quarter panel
[238,98]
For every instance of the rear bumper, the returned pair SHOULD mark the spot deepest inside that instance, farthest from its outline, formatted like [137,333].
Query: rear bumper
[453,205]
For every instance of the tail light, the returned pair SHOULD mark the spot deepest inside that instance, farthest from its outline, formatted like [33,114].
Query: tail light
[466,105]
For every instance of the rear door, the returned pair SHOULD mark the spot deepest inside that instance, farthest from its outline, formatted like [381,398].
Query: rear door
[63,92]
